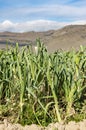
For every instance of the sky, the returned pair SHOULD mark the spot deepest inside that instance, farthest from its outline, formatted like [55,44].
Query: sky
[40,15]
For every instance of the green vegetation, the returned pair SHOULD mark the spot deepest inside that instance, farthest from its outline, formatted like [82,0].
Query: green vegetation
[38,87]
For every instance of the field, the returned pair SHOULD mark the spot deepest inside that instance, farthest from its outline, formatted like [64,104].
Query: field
[37,87]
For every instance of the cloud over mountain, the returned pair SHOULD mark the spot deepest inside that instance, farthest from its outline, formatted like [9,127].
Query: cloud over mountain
[35,25]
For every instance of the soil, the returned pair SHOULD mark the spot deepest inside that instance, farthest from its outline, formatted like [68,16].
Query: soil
[5,125]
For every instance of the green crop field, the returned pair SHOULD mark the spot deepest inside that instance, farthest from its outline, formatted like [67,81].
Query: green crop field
[39,87]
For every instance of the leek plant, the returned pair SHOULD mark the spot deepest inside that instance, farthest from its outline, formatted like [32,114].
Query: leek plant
[41,87]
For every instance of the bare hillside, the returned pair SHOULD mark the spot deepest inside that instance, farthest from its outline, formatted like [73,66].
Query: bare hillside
[65,38]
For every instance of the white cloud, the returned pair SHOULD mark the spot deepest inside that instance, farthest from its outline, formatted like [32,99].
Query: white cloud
[56,10]
[80,22]
[36,25]
[48,11]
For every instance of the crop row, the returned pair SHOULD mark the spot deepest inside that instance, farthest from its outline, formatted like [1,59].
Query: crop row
[39,87]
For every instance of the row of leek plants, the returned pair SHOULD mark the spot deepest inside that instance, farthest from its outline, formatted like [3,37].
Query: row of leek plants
[39,87]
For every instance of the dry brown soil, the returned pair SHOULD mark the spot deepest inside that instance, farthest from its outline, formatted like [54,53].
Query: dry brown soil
[53,126]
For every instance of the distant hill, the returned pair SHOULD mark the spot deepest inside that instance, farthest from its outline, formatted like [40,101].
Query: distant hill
[65,38]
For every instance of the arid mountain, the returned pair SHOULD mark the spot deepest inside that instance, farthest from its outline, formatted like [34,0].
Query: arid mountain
[65,38]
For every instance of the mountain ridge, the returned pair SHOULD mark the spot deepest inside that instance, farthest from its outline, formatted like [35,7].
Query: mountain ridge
[71,36]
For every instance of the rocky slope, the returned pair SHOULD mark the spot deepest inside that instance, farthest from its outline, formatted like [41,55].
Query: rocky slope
[65,38]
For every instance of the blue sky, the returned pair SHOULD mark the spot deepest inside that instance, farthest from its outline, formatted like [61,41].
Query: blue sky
[28,13]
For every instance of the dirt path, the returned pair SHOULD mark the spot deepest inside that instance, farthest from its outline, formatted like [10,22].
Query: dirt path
[54,126]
